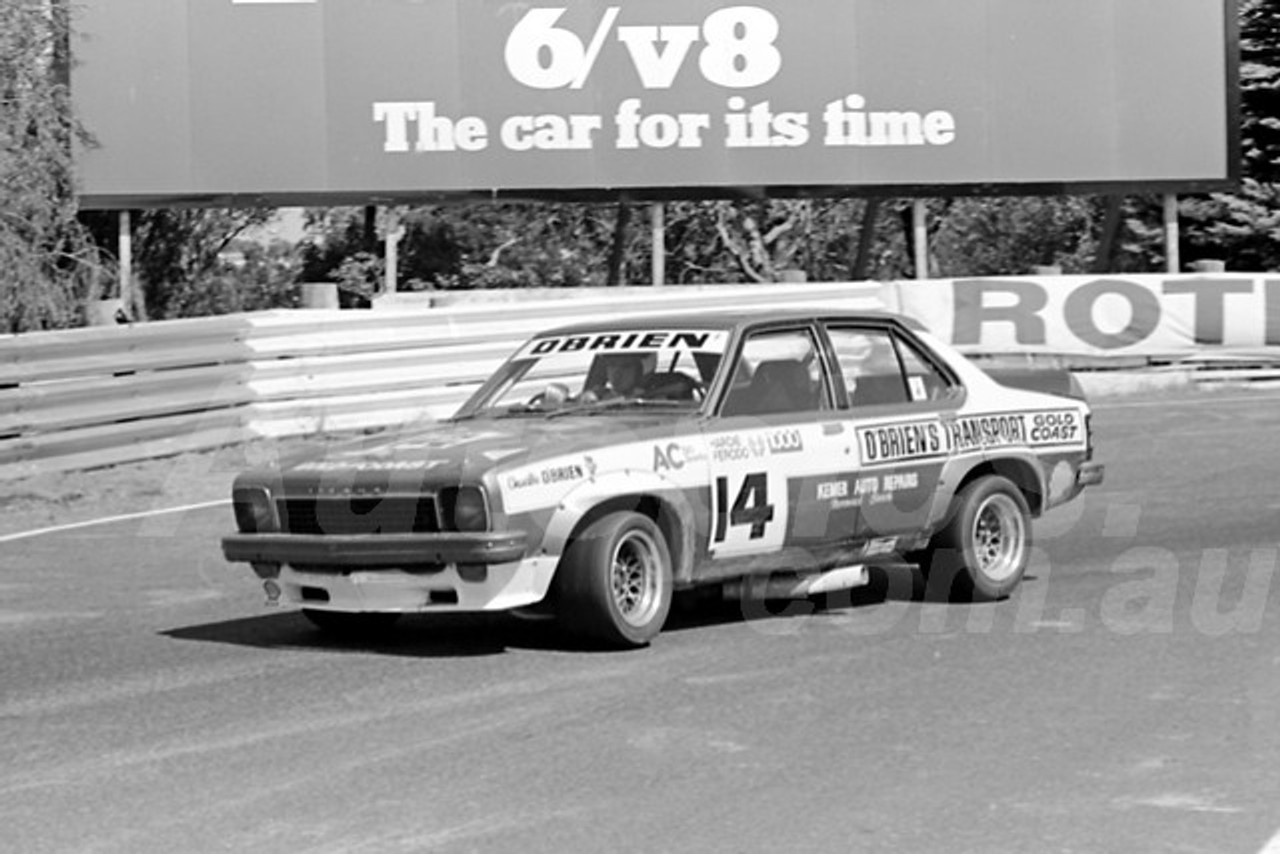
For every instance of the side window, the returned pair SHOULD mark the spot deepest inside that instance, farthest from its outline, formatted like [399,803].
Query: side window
[777,372]
[869,366]
[924,380]
[879,368]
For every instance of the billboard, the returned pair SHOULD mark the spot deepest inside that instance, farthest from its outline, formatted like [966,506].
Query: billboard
[366,101]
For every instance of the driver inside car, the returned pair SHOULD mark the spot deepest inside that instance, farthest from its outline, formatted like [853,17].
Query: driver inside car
[621,375]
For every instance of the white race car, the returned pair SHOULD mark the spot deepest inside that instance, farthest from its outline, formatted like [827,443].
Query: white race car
[605,466]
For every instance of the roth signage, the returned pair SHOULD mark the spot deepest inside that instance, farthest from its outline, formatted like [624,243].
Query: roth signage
[1143,315]
[290,100]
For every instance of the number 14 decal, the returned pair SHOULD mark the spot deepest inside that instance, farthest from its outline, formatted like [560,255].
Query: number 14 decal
[751,507]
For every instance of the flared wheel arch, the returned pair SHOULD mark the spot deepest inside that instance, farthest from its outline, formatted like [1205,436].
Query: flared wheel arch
[678,536]
[1024,474]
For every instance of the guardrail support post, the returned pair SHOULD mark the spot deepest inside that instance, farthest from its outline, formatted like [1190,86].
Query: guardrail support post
[658,230]
[1171,261]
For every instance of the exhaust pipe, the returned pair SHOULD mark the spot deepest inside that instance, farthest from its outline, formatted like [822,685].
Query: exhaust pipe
[796,587]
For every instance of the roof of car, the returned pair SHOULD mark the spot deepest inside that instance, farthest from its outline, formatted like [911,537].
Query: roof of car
[728,319]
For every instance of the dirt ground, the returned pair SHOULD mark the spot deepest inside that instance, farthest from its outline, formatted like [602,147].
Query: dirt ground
[61,498]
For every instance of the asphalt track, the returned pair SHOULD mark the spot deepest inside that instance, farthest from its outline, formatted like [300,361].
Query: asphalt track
[1126,699]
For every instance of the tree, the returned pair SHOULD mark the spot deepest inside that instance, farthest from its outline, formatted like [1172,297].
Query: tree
[466,246]
[47,262]
[767,240]
[1241,228]
[1009,236]
[249,276]
[1260,89]
[179,261]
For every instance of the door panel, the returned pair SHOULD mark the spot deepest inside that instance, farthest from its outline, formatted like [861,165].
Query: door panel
[777,430]
[894,392]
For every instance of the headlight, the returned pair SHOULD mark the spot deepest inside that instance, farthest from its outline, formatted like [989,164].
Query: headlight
[255,513]
[464,508]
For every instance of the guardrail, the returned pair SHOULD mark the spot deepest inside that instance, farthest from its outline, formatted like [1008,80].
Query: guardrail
[93,397]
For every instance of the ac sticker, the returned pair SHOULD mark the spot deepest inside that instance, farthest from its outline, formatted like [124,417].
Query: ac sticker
[674,456]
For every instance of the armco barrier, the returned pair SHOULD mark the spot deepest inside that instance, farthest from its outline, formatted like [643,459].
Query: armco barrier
[91,397]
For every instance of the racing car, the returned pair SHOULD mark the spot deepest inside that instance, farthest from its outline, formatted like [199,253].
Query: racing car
[605,466]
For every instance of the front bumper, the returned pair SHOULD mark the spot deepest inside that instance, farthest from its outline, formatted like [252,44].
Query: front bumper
[451,589]
[396,572]
[1090,474]
[356,550]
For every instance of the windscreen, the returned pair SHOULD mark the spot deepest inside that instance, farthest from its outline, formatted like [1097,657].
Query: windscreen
[606,371]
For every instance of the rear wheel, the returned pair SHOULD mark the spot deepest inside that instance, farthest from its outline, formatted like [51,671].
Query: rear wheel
[981,553]
[351,625]
[615,582]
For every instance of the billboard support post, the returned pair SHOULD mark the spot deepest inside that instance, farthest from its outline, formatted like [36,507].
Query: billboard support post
[1111,222]
[394,231]
[1172,262]
[124,249]
[920,238]
[658,230]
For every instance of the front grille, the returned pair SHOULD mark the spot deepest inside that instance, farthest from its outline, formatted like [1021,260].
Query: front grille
[342,569]
[347,514]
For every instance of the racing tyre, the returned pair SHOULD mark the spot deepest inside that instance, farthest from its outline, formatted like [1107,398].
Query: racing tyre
[351,625]
[614,584]
[981,553]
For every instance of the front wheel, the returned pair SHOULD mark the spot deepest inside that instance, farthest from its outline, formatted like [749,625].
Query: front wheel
[615,581]
[981,553]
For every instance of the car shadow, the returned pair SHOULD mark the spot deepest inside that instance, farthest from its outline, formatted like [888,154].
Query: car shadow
[414,636]
[471,635]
